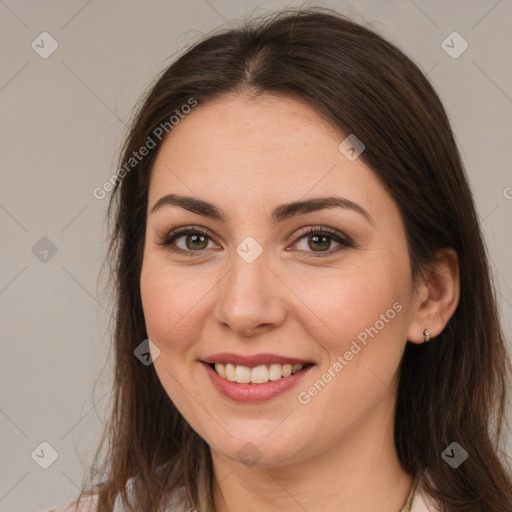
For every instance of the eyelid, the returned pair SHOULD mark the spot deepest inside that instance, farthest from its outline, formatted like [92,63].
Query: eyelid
[333,233]
[345,241]
[168,236]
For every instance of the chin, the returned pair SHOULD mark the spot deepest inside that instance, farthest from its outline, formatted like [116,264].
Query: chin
[259,449]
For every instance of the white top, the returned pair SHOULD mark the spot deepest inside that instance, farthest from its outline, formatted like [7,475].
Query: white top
[423,503]
[420,502]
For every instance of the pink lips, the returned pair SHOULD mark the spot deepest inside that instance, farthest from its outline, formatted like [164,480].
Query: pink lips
[254,392]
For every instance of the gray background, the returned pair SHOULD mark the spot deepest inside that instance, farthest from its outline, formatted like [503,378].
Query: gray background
[63,119]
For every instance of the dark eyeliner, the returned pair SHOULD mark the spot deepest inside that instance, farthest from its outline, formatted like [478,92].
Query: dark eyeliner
[344,241]
[168,239]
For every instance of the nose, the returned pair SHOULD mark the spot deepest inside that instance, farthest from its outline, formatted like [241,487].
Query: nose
[251,298]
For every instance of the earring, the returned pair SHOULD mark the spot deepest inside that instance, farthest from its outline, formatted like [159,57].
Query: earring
[426,333]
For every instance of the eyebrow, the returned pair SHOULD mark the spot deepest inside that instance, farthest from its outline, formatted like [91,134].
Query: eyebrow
[279,214]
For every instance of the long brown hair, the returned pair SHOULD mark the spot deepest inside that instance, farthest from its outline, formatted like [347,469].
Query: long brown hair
[451,390]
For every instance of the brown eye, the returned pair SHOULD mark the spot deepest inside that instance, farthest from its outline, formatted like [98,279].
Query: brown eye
[194,240]
[320,240]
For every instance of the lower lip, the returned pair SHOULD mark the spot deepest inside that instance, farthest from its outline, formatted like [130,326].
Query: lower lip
[254,392]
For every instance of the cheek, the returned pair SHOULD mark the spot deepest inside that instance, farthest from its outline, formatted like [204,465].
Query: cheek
[362,319]
[345,304]
[174,303]
[359,320]
[174,308]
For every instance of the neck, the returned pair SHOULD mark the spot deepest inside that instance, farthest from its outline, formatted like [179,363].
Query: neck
[360,472]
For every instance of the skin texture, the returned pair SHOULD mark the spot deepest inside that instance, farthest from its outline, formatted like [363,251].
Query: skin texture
[247,156]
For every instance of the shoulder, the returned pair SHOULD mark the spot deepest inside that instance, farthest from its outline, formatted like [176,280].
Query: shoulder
[178,501]
[86,505]
[422,502]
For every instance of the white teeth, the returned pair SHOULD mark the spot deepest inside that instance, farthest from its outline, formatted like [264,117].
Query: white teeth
[243,374]
[274,372]
[258,374]
[221,370]
[230,372]
[296,368]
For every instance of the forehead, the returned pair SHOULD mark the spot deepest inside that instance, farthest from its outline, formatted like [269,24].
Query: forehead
[267,125]
[238,151]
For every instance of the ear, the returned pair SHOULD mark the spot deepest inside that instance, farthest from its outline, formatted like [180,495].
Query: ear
[436,298]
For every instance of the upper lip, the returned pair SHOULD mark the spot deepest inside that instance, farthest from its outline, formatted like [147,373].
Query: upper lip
[253,360]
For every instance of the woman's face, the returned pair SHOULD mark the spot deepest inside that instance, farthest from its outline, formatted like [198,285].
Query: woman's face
[249,286]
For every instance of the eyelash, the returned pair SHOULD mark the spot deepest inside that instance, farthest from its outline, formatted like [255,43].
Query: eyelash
[345,242]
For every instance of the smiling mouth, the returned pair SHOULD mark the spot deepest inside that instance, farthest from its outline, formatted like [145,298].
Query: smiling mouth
[257,375]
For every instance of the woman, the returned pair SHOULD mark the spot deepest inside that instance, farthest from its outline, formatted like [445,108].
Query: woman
[294,233]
